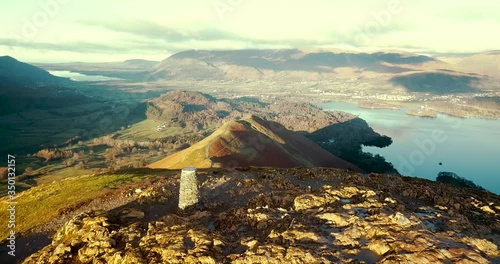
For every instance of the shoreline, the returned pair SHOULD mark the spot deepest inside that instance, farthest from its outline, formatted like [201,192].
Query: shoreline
[412,110]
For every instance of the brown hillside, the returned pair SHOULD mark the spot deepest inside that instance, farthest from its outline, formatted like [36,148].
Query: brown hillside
[281,64]
[487,63]
[253,142]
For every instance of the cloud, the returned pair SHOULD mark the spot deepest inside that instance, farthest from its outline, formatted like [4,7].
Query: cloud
[159,28]
[152,30]
[83,47]
[176,39]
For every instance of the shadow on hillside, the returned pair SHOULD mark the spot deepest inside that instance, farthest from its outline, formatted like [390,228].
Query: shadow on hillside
[345,140]
[396,58]
[25,247]
[248,99]
[437,83]
[48,123]
[294,60]
[269,144]
[354,131]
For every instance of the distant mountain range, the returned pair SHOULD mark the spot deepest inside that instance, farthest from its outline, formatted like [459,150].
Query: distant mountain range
[414,72]
[277,64]
[253,141]
[131,70]
[486,63]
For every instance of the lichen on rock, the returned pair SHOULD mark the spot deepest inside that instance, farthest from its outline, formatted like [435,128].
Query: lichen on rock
[318,219]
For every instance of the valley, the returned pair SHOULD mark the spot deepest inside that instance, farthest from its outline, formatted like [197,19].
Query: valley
[243,132]
[379,79]
[134,118]
[103,126]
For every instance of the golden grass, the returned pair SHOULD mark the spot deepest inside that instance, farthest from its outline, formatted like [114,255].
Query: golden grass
[39,205]
[61,174]
[147,130]
[192,156]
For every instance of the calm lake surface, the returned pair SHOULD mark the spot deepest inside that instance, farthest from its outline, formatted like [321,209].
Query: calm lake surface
[78,77]
[469,147]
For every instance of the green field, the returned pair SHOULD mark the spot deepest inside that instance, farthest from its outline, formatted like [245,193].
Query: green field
[146,130]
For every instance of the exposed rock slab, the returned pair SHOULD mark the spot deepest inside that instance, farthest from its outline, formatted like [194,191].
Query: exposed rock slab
[266,216]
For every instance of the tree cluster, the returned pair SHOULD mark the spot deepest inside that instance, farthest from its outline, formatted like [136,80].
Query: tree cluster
[453,179]
[54,154]
[197,112]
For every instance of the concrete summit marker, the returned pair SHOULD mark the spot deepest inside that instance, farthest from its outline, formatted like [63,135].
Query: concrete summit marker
[188,191]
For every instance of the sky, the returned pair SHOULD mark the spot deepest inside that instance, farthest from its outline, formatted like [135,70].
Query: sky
[112,30]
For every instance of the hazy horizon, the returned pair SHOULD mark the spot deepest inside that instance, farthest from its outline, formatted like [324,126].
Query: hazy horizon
[93,31]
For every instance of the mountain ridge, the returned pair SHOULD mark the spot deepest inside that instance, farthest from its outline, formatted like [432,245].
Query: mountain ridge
[226,64]
[295,66]
[17,72]
[253,142]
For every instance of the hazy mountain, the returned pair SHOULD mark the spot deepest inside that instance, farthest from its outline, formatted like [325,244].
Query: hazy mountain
[265,64]
[136,64]
[414,72]
[253,142]
[438,82]
[132,70]
[487,63]
[402,58]
[139,63]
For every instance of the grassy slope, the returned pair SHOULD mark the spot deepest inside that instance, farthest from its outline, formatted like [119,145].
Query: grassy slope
[194,155]
[147,130]
[39,205]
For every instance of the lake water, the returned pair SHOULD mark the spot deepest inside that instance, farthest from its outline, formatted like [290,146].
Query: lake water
[469,147]
[78,77]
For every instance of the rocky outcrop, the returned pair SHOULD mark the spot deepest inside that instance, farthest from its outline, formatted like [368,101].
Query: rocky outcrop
[294,216]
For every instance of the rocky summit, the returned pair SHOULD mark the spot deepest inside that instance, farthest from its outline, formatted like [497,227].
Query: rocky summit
[299,215]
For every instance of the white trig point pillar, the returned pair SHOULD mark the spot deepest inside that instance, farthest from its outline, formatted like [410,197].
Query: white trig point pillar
[188,191]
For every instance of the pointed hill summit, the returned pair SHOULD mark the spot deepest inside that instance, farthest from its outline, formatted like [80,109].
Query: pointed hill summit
[253,142]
